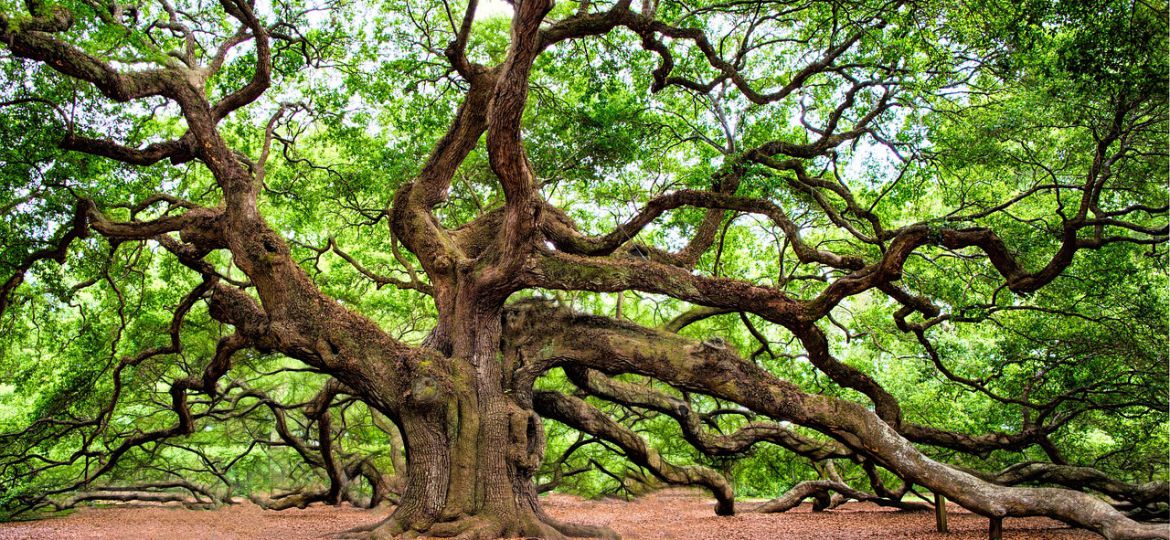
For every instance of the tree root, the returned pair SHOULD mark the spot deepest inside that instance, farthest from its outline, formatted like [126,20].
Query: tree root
[536,525]
[578,530]
[479,527]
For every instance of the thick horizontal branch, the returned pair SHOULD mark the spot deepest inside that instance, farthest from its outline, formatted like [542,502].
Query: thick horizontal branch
[177,151]
[561,271]
[816,488]
[742,439]
[549,337]
[566,238]
[1081,478]
[33,38]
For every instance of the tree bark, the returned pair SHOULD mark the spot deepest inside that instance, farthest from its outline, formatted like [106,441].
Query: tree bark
[472,439]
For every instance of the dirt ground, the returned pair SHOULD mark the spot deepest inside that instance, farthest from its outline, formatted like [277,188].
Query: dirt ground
[674,514]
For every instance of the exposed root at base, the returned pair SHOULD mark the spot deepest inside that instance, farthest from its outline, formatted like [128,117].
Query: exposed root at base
[579,530]
[537,525]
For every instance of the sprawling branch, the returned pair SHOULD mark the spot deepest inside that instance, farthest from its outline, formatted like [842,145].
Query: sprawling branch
[1081,478]
[740,440]
[57,252]
[177,150]
[242,10]
[585,418]
[550,337]
[820,488]
[35,38]
[648,28]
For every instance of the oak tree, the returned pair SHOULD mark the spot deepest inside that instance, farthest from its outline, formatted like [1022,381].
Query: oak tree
[553,200]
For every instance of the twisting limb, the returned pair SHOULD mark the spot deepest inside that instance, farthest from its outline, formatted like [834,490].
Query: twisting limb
[76,229]
[325,454]
[414,283]
[153,492]
[585,418]
[617,347]
[558,466]
[820,488]
[743,438]
[1080,478]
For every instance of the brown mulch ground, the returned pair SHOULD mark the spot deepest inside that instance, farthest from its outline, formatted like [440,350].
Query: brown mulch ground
[672,514]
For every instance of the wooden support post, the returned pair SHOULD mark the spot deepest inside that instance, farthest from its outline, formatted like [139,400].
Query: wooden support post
[940,512]
[995,531]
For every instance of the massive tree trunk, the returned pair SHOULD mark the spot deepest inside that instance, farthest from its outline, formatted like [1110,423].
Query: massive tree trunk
[472,439]
[467,443]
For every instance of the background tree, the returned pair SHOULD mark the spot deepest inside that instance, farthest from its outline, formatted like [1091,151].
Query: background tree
[913,244]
